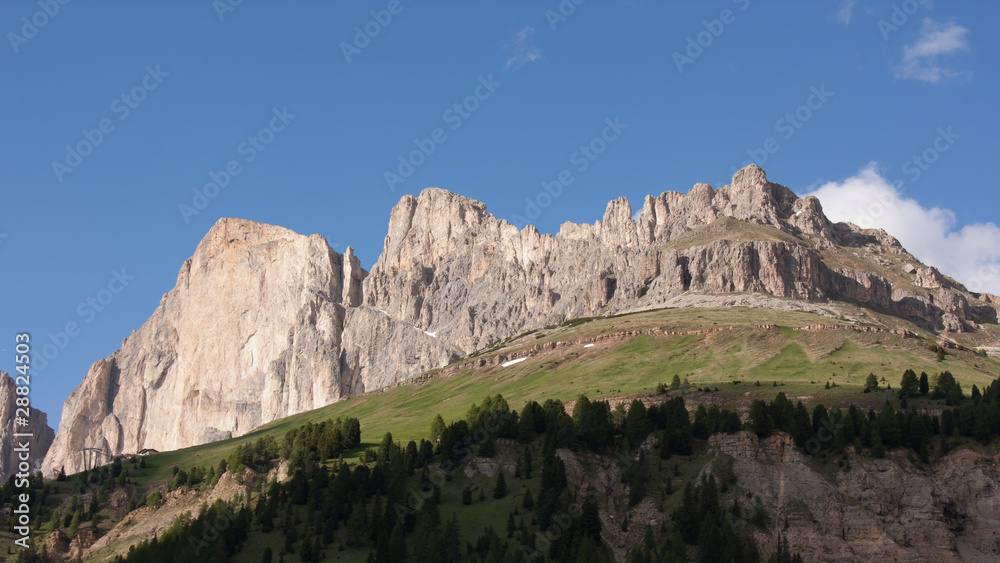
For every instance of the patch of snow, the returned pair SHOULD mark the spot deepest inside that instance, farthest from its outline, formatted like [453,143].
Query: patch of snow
[431,334]
[512,362]
[588,345]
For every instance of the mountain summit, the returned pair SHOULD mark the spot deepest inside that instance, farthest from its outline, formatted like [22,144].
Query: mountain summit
[264,323]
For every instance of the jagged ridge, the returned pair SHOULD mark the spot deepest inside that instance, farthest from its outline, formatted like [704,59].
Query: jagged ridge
[264,323]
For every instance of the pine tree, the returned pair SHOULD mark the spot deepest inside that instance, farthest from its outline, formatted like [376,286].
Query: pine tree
[501,489]
[357,523]
[878,449]
[888,426]
[909,386]
[760,418]
[437,427]
[291,535]
[528,501]
[397,545]
[711,546]
[74,524]
[637,422]
[306,551]
[686,517]
[871,383]
[452,546]
[590,519]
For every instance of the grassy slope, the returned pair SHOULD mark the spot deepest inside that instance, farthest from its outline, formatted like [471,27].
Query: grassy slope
[801,361]
[620,367]
[731,229]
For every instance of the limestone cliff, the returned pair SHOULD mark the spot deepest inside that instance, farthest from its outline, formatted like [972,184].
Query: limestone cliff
[37,424]
[880,509]
[451,268]
[250,333]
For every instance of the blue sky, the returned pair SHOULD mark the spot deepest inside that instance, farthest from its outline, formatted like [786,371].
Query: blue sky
[307,106]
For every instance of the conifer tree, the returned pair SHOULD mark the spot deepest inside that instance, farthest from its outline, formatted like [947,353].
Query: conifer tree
[501,489]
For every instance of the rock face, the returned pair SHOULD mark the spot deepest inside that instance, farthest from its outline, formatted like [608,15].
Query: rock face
[253,331]
[451,268]
[881,509]
[250,333]
[38,444]
[264,323]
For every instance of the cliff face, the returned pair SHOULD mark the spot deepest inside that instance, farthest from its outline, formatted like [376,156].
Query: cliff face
[37,425]
[264,323]
[451,268]
[250,333]
[880,509]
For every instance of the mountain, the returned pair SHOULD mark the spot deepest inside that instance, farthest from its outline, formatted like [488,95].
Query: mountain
[844,503]
[37,424]
[450,267]
[252,331]
[264,323]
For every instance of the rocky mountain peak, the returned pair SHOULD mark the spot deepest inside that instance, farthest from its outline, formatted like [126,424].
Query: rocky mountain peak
[264,322]
[251,332]
[750,177]
[37,425]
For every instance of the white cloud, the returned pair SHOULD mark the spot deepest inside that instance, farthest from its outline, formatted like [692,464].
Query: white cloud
[921,59]
[970,254]
[523,51]
[846,9]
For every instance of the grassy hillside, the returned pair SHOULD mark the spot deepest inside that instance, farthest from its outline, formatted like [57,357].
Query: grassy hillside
[725,357]
[622,366]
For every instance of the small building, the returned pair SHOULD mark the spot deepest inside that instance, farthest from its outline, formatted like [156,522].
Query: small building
[148,451]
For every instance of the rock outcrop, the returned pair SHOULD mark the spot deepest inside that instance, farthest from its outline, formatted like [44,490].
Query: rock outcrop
[264,323]
[36,425]
[451,268]
[250,333]
[257,328]
[879,509]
